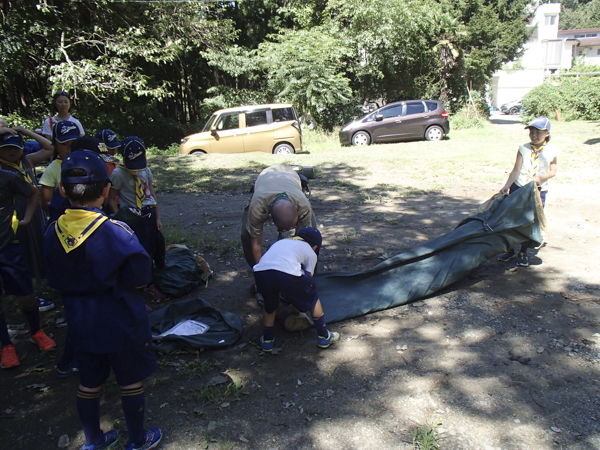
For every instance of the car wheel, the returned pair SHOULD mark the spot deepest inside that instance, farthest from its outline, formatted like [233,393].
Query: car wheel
[198,153]
[434,133]
[514,110]
[283,149]
[361,138]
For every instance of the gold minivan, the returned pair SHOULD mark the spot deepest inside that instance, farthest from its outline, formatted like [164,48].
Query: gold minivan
[272,128]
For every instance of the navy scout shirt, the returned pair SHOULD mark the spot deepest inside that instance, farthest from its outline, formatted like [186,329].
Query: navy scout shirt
[97,273]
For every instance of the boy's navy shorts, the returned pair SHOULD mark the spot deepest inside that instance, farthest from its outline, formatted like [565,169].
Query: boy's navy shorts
[299,291]
[14,272]
[145,229]
[130,366]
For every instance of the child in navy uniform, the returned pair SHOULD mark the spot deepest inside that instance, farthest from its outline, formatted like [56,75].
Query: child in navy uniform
[14,273]
[98,265]
[287,268]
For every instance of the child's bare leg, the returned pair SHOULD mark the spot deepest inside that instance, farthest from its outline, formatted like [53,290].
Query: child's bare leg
[318,317]
[268,325]
[325,337]
[31,311]
[4,336]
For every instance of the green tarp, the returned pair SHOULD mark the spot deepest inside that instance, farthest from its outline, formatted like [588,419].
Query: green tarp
[424,270]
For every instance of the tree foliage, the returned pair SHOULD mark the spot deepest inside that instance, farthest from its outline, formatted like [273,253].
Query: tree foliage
[150,67]
[577,14]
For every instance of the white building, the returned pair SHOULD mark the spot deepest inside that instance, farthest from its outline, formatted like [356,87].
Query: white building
[588,49]
[546,51]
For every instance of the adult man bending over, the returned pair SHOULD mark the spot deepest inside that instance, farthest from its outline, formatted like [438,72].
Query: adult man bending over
[278,197]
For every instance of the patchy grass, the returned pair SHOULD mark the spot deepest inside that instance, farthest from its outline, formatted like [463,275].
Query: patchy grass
[427,437]
[474,156]
[196,368]
[201,241]
[218,394]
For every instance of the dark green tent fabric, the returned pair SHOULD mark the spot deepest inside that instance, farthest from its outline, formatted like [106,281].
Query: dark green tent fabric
[432,266]
[225,328]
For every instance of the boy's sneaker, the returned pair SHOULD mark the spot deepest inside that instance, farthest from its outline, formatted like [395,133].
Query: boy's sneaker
[43,341]
[331,338]
[153,437]
[8,357]
[44,305]
[110,439]
[67,371]
[507,256]
[267,346]
[522,259]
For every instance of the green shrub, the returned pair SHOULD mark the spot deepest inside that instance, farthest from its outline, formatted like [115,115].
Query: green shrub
[465,119]
[573,98]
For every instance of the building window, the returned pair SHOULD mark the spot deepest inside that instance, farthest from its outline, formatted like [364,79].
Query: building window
[554,53]
[550,20]
[580,52]
[598,52]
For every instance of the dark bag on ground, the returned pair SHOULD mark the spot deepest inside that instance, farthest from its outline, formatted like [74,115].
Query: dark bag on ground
[181,273]
[224,327]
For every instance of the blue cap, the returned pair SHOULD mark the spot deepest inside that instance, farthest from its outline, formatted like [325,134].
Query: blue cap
[541,123]
[91,162]
[109,138]
[89,143]
[65,131]
[312,236]
[134,153]
[12,140]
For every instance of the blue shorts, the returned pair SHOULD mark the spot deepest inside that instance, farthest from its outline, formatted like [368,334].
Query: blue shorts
[514,188]
[14,272]
[130,366]
[299,291]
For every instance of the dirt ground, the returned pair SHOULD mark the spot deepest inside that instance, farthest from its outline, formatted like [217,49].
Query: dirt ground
[505,358]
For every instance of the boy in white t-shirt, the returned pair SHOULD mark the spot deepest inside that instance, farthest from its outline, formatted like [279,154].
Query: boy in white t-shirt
[537,162]
[287,268]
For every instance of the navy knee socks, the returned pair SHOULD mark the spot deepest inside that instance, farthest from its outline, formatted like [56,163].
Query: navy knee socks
[321,326]
[4,336]
[88,408]
[134,407]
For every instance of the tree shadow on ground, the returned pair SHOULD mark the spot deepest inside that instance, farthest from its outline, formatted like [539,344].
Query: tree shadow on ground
[503,358]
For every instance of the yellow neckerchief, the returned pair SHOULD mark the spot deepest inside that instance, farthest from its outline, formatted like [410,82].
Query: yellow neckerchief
[20,168]
[535,153]
[76,225]
[139,191]
[15,222]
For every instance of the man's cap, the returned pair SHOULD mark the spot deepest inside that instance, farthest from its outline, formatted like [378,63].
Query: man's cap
[134,153]
[65,131]
[109,138]
[89,143]
[12,140]
[312,236]
[92,163]
[541,123]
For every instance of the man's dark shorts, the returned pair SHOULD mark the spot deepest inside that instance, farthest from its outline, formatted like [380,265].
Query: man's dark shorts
[14,272]
[299,291]
[130,366]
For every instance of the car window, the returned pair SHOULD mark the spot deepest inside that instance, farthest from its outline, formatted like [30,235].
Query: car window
[209,122]
[415,108]
[371,117]
[228,122]
[392,111]
[283,114]
[431,106]
[256,118]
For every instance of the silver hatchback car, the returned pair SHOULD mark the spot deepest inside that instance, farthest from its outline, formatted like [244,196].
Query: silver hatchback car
[398,121]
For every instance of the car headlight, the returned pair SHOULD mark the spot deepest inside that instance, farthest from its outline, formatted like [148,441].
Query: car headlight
[184,140]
